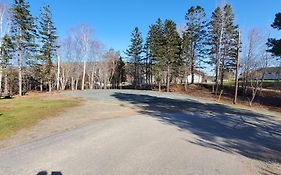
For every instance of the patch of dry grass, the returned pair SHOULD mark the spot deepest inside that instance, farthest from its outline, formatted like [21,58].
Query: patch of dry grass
[19,113]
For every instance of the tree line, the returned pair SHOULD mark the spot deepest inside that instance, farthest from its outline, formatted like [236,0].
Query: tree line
[169,54]
[34,57]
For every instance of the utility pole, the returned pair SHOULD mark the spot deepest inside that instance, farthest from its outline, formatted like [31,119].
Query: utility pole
[237,70]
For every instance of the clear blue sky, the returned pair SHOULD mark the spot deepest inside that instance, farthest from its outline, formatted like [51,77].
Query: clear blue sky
[114,20]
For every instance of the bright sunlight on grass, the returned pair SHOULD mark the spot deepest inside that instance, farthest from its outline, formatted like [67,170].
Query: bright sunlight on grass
[19,113]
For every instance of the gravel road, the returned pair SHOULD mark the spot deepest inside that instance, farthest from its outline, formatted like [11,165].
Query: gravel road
[168,134]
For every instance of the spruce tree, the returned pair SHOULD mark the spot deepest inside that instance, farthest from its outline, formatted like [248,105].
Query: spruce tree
[195,30]
[6,51]
[275,44]
[222,41]
[186,56]
[172,49]
[135,51]
[229,42]
[215,34]
[155,49]
[48,38]
[23,32]
[119,75]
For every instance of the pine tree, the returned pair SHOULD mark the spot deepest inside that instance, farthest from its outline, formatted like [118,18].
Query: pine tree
[119,75]
[186,56]
[275,44]
[23,31]
[134,51]
[6,51]
[215,34]
[48,37]
[172,49]
[195,30]
[155,49]
[222,41]
[229,42]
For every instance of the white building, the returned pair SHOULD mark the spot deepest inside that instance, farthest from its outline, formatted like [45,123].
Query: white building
[198,78]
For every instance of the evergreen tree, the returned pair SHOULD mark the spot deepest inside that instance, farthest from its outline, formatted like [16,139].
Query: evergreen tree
[119,75]
[155,49]
[222,41]
[215,34]
[135,50]
[172,49]
[195,30]
[48,37]
[186,56]
[229,42]
[275,44]
[23,32]
[6,51]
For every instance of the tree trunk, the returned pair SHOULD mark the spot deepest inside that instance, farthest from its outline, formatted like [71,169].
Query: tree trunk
[217,76]
[237,71]
[185,84]
[41,85]
[20,71]
[72,83]
[192,71]
[83,77]
[92,80]
[222,75]
[236,81]
[58,74]
[105,83]
[50,85]
[1,76]
[159,86]
[254,92]
[168,78]
[76,84]
[6,88]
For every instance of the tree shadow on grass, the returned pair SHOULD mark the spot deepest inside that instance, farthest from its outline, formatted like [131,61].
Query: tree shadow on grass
[217,126]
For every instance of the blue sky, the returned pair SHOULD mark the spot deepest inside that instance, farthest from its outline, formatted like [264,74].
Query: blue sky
[114,20]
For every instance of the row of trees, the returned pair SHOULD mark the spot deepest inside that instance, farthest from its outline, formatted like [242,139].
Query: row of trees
[32,54]
[172,54]
[31,40]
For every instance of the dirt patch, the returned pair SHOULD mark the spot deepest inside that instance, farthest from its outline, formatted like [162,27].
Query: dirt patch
[227,98]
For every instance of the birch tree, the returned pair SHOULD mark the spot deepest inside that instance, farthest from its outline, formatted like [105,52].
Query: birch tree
[252,62]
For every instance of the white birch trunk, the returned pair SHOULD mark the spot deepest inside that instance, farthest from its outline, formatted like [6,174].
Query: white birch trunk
[58,74]
[83,77]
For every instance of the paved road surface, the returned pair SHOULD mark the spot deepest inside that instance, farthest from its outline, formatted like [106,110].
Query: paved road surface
[170,134]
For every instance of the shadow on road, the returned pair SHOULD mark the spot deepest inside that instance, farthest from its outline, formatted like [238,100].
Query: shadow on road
[219,127]
[52,173]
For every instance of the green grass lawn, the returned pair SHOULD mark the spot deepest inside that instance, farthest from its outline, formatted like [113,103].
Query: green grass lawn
[274,84]
[18,113]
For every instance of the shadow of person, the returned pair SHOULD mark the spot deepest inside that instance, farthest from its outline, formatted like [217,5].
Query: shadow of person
[52,173]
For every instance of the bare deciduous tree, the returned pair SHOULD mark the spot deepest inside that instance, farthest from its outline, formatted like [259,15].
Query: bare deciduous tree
[253,63]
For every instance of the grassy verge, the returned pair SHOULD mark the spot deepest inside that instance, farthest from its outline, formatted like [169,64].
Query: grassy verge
[19,113]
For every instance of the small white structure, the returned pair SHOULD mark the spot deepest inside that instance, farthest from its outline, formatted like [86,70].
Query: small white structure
[198,78]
